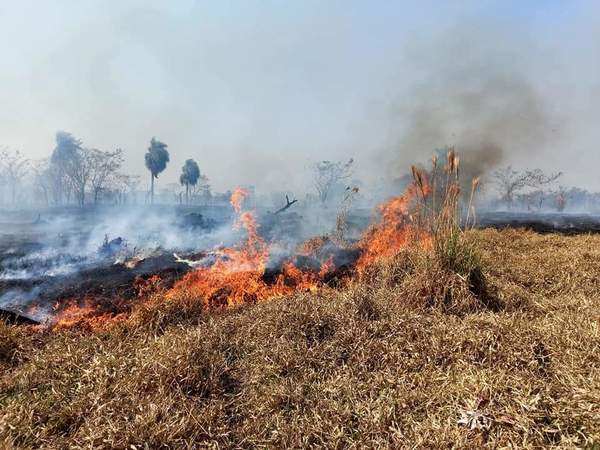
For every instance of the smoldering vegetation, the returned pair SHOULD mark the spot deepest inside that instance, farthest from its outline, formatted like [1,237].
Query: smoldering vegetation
[53,256]
[68,253]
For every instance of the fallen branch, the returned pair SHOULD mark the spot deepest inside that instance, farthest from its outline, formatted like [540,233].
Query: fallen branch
[287,204]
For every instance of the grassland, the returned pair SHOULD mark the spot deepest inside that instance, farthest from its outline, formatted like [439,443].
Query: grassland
[393,360]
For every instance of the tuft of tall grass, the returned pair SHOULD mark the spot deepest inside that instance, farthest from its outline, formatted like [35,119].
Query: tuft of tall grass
[438,207]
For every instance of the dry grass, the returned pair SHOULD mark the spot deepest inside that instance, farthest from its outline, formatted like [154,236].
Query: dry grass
[391,361]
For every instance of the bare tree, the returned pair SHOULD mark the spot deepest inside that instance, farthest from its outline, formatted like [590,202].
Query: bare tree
[103,167]
[79,172]
[326,174]
[43,179]
[561,198]
[127,186]
[14,167]
[510,182]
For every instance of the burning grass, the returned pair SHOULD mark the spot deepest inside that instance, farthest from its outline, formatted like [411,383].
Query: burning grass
[426,217]
[436,337]
[371,365]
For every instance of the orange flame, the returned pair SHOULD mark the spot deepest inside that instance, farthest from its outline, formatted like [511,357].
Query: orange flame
[71,313]
[238,276]
[241,275]
[237,197]
[396,228]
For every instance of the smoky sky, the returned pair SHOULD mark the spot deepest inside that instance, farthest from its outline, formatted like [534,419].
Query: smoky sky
[256,90]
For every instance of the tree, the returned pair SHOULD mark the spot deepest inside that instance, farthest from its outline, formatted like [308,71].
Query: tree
[201,190]
[103,167]
[126,186]
[190,173]
[326,174]
[156,158]
[79,171]
[64,157]
[43,178]
[509,182]
[14,167]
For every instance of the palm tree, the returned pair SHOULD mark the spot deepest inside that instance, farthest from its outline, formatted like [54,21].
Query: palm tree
[190,173]
[156,161]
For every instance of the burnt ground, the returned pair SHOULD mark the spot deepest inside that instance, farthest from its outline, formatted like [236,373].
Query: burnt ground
[115,286]
[57,257]
[546,222]
[51,267]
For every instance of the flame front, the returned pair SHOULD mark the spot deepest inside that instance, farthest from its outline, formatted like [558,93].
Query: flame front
[398,226]
[238,275]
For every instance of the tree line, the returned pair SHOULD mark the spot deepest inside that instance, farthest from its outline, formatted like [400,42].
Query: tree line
[78,174]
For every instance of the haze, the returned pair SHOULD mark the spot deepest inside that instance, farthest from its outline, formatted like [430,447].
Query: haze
[256,90]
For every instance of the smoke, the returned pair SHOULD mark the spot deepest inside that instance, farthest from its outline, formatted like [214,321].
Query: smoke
[253,92]
[482,100]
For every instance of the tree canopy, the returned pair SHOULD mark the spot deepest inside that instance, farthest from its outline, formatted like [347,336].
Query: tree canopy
[157,157]
[190,173]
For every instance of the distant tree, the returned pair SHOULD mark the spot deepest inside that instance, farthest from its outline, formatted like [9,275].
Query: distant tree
[156,159]
[510,182]
[43,179]
[202,189]
[327,174]
[103,167]
[126,186]
[14,167]
[79,172]
[173,190]
[561,198]
[190,173]
[65,157]
[578,198]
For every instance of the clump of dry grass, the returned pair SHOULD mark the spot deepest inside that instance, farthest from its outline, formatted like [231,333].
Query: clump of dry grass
[446,271]
[367,366]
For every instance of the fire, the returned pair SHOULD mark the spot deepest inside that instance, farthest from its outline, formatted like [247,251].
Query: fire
[242,274]
[238,276]
[237,197]
[72,313]
[397,228]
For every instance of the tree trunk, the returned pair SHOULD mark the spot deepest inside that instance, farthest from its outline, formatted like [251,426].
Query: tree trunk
[187,193]
[151,188]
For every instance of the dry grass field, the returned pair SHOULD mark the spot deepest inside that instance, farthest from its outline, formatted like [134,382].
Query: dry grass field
[411,355]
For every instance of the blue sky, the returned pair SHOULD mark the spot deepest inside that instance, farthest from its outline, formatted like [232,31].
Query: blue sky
[254,90]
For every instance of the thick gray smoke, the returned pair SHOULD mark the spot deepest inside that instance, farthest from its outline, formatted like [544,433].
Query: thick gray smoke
[482,100]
